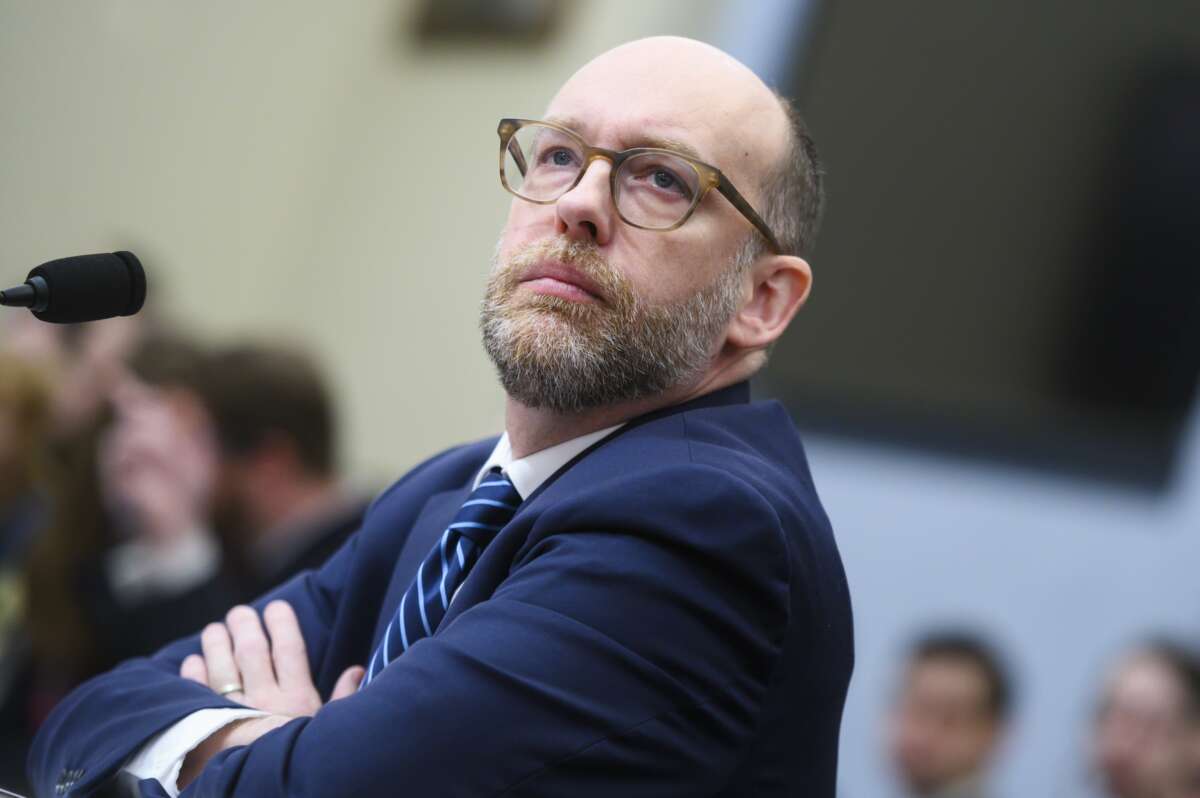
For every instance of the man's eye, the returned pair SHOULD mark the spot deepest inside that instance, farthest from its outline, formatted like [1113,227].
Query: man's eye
[559,157]
[664,179]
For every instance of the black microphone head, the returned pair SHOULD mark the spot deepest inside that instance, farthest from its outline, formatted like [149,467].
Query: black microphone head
[92,287]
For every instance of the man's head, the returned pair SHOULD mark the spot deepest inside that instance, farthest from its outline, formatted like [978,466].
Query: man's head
[948,718]
[1146,731]
[584,310]
[274,422]
[173,370]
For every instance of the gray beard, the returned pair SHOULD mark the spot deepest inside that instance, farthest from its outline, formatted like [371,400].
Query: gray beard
[567,357]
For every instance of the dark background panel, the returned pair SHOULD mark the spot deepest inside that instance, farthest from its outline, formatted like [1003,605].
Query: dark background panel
[1008,262]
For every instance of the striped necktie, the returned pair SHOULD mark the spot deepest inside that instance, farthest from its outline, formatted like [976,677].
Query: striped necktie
[485,512]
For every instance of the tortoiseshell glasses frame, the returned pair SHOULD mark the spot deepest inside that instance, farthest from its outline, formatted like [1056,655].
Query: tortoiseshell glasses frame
[706,176]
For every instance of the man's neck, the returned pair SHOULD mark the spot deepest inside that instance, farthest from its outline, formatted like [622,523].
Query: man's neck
[532,429]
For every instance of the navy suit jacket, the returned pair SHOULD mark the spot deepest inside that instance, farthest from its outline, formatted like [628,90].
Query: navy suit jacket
[666,616]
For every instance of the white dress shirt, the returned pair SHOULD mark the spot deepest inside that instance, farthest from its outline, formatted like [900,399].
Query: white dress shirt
[162,756]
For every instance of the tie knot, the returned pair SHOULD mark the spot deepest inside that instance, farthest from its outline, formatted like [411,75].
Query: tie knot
[489,507]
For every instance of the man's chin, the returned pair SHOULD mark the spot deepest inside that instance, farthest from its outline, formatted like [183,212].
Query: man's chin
[548,314]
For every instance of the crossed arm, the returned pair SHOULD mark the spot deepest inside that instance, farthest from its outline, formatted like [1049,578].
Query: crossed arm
[611,658]
[272,675]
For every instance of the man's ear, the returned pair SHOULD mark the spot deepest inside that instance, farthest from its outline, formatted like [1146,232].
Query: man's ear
[780,285]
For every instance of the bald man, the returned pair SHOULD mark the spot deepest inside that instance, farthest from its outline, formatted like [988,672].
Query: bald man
[634,590]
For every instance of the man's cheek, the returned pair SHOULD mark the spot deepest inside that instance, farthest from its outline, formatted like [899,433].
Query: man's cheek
[527,225]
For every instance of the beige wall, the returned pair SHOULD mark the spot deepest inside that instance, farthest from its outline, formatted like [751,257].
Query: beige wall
[291,168]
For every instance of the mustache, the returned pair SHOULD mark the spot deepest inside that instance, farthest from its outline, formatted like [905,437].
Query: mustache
[583,256]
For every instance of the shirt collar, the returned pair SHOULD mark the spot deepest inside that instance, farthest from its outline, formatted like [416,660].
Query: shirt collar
[528,473]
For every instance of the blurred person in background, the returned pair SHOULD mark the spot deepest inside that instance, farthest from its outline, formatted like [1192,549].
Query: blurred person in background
[1146,741]
[24,425]
[183,493]
[78,364]
[219,470]
[949,717]
[278,501]
[156,463]
[100,576]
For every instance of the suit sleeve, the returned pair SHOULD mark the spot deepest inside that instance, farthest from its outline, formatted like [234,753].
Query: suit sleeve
[627,653]
[95,729]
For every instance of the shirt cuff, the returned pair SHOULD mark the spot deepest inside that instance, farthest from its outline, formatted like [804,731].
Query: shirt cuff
[162,756]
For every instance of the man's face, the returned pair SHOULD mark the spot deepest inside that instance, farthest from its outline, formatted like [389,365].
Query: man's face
[583,310]
[941,731]
[1142,740]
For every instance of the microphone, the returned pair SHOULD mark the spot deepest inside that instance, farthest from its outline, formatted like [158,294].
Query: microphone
[82,288]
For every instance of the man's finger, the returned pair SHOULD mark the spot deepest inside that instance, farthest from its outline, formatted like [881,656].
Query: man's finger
[193,668]
[347,683]
[251,650]
[218,658]
[287,646]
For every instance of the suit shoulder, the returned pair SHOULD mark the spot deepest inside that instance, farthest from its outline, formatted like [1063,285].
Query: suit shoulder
[677,504]
[756,445]
[739,470]
[447,467]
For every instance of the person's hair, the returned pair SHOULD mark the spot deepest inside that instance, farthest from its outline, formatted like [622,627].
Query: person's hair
[25,395]
[1184,662]
[166,359]
[257,391]
[794,192]
[966,648]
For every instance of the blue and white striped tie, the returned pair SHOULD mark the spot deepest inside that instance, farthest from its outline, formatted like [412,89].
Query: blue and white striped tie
[485,512]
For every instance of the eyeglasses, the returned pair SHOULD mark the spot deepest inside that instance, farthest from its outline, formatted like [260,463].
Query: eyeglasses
[652,188]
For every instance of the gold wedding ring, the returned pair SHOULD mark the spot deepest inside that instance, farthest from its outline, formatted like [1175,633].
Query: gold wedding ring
[232,687]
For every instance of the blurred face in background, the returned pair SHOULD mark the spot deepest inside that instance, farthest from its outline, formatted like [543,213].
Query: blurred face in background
[656,302]
[1144,744]
[157,461]
[942,730]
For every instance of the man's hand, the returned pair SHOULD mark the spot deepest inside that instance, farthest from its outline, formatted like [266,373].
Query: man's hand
[272,676]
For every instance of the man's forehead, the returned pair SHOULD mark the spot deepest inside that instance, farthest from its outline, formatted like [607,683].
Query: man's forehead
[632,133]
[730,142]
[670,89]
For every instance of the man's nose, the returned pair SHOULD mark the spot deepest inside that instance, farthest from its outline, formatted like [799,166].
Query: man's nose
[587,212]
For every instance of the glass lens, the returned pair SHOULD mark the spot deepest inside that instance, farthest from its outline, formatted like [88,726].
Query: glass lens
[540,163]
[656,190]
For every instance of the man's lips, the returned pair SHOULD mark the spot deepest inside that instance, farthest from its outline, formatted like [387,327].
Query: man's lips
[562,281]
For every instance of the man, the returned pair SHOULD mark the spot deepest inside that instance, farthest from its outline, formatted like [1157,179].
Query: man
[634,591]
[153,570]
[278,502]
[194,446]
[1146,741]
[948,721]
